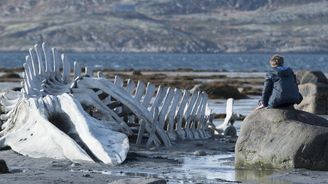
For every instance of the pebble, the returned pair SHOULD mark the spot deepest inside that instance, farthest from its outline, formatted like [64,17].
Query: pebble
[86,175]
[200,153]
[75,164]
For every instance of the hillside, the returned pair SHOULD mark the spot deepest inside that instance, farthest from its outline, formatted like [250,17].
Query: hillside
[199,26]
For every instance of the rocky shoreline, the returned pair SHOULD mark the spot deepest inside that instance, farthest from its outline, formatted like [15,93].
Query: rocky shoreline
[219,85]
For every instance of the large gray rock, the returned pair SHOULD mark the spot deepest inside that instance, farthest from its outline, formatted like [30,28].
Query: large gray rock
[283,138]
[314,89]
[315,98]
[217,90]
[305,77]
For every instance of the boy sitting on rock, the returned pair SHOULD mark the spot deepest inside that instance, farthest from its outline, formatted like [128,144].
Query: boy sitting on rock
[280,86]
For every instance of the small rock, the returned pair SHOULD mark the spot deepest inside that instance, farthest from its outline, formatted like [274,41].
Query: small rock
[86,175]
[17,171]
[230,131]
[140,180]
[152,148]
[199,144]
[219,116]
[232,140]
[75,164]
[16,88]
[11,76]
[136,72]
[200,153]
[3,167]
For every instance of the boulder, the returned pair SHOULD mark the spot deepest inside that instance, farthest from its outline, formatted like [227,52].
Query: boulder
[314,89]
[282,139]
[11,76]
[315,98]
[305,77]
[217,90]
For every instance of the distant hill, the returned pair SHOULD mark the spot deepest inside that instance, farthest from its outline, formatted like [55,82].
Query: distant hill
[198,26]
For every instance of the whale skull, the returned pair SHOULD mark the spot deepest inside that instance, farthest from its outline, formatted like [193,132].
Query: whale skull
[43,120]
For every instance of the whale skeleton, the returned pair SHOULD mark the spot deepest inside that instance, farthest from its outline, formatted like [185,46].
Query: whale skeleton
[65,113]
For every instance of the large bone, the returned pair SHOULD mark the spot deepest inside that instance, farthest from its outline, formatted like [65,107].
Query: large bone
[179,116]
[229,115]
[203,118]
[106,145]
[34,136]
[171,115]
[121,95]
[59,128]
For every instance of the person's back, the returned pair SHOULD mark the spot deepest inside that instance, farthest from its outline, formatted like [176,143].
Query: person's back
[280,87]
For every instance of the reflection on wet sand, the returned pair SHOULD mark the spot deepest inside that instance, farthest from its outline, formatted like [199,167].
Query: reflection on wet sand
[258,176]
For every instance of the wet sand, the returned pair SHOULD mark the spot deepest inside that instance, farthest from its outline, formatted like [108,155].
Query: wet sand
[188,161]
[209,161]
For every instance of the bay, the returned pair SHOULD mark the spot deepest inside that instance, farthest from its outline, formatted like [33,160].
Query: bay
[198,62]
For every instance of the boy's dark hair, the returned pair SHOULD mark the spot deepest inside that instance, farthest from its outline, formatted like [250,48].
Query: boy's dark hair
[276,60]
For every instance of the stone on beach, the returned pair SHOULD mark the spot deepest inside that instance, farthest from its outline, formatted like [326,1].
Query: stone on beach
[314,89]
[218,90]
[311,77]
[200,153]
[283,139]
[10,75]
[315,98]
[3,167]
[140,181]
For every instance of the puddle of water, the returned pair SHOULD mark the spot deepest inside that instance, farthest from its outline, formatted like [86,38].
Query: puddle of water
[195,169]
[221,168]
[242,106]
[4,86]
[258,176]
[211,167]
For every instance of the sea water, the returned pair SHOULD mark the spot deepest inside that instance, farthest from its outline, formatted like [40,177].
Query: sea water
[203,62]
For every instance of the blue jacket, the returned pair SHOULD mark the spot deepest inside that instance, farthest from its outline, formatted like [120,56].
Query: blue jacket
[280,88]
